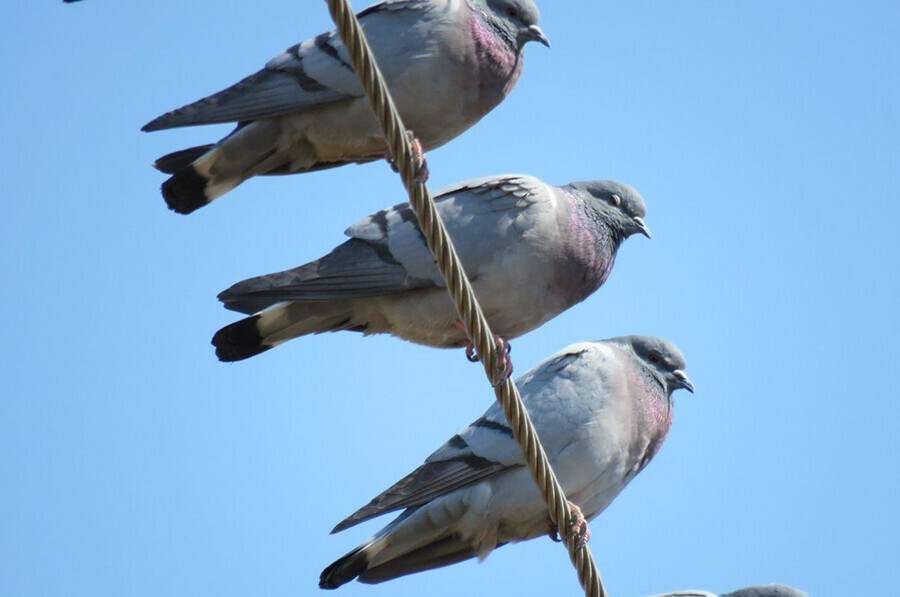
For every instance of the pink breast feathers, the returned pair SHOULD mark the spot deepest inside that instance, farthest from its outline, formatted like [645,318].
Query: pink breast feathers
[499,66]
[656,411]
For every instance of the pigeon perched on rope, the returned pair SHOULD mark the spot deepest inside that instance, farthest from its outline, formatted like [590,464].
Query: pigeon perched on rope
[448,63]
[602,410]
[531,250]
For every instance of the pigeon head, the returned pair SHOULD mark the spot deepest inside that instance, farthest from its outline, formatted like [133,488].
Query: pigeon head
[516,21]
[620,203]
[661,359]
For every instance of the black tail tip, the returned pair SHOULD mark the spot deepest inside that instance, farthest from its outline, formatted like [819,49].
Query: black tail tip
[238,341]
[344,570]
[185,191]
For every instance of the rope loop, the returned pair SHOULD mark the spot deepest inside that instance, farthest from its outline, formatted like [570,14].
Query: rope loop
[460,289]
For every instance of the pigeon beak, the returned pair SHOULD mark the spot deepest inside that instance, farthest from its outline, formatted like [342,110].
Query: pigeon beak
[642,227]
[535,34]
[683,380]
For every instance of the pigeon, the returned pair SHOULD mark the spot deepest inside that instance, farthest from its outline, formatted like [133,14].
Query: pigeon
[757,591]
[602,411]
[768,591]
[447,62]
[531,251]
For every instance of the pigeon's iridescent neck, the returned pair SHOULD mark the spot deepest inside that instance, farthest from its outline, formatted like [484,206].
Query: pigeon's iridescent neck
[656,409]
[591,243]
[499,64]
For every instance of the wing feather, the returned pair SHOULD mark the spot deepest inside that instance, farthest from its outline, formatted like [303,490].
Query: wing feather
[355,269]
[483,450]
[312,73]
[387,253]
[426,483]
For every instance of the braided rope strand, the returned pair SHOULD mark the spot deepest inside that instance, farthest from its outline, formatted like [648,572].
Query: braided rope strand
[461,292]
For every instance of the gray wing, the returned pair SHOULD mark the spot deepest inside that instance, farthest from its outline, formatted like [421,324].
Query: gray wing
[454,466]
[484,217]
[484,449]
[387,253]
[355,269]
[311,73]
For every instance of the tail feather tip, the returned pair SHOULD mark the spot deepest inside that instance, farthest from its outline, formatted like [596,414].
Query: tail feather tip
[344,570]
[240,340]
[185,191]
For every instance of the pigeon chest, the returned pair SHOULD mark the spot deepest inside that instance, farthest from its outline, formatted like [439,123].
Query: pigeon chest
[588,257]
[654,420]
[583,271]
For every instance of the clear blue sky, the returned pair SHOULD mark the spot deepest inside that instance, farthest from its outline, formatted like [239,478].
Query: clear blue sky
[764,137]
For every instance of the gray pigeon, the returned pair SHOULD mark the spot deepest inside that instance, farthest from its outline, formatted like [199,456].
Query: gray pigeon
[602,410]
[531,250]
[447,62]
[757,591]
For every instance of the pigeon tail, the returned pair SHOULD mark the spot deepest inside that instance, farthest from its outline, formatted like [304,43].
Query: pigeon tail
[257,334]
[345,569]
[239,341]
[443,552]
[204,173]
[186,191]
[367,562]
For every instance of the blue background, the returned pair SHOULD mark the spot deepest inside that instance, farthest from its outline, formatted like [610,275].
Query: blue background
[764,137]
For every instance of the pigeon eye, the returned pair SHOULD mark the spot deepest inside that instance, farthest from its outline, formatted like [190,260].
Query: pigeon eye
[615,201]
[654,357]
[512,11]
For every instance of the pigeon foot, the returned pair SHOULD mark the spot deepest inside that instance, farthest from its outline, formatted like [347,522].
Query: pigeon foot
[578,526]
[504,361]
[422,172]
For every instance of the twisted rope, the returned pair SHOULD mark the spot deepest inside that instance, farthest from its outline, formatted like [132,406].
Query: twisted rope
[460,290]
